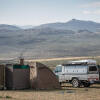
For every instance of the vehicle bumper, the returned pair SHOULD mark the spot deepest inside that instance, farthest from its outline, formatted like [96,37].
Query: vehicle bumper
[95,82]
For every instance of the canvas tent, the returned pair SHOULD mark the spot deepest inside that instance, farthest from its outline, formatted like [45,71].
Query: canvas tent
[17,76]
[42,77]
[2,76]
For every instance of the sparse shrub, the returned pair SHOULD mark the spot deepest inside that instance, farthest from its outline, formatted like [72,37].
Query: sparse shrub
[1,97]
[8,97]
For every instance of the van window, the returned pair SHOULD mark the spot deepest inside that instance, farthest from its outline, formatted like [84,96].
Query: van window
[58,69]
[92,68]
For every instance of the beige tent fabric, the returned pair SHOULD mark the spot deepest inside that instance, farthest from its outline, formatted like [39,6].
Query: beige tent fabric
[42,77]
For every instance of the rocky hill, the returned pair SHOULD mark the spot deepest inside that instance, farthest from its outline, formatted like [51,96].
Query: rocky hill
[74,38]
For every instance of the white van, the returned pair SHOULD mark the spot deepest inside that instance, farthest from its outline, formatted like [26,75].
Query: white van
[78,73]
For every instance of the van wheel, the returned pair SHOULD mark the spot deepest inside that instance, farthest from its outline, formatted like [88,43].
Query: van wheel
[86,84]
[75,83]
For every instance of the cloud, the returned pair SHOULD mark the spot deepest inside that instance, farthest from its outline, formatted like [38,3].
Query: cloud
[92,8]
[86,12]
[96,12]
[93,4]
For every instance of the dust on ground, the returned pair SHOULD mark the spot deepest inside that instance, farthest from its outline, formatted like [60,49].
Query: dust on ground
[66,93]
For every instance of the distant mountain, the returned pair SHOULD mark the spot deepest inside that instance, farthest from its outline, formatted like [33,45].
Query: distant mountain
[51,40]
[8,27]
[82,25]
[74,25]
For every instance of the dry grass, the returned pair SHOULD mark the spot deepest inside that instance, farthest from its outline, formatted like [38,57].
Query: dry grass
[67,93]
[55,59]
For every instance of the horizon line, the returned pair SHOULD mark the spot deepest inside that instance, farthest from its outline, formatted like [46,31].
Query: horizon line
[47,23]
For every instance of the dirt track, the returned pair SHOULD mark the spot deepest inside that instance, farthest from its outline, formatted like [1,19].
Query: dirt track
[67,93]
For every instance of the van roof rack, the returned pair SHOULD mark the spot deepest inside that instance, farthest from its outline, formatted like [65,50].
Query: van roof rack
[77,64]
[81,62]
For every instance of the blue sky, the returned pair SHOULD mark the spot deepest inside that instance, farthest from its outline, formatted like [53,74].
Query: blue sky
[35,12]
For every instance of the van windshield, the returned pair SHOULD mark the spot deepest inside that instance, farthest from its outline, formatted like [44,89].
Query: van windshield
[92,69]
[58,69]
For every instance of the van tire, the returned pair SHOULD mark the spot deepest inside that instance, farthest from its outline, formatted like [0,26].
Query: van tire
[86,84]
[75,82]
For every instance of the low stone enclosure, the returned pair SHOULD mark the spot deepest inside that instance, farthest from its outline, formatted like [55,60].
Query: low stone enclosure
[32,76]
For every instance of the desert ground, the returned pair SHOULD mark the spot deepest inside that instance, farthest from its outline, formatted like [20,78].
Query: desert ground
[66,93]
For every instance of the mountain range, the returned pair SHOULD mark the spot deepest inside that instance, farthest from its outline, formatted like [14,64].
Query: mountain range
[72,38]
[74,25]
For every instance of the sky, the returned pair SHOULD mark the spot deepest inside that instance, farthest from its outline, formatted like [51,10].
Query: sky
[36,12]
